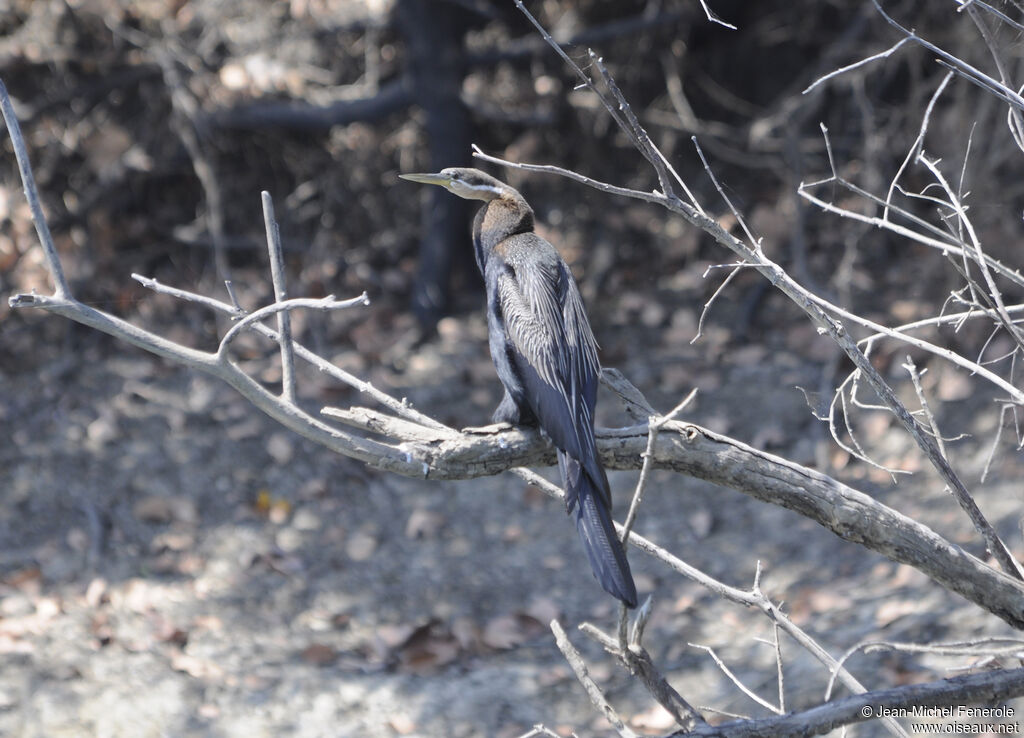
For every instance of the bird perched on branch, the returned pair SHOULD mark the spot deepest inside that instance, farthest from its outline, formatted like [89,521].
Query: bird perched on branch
[546,356]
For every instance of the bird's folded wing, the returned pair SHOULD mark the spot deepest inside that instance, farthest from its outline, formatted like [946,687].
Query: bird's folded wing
[557,356]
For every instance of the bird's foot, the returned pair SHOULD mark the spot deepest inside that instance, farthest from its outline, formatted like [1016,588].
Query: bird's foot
[489,430]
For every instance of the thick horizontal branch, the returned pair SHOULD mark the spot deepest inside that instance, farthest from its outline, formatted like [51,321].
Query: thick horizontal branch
[294,115]
[532,45]
[694,451]
[989,686]
[683,448]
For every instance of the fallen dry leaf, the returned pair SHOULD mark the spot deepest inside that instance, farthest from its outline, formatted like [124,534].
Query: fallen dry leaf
[467,633]
[280,447]
[701,522]
[953,385]
[553,561]
[101,629]
[402,724]
[423,524]
[513,533]
[656,719]
[153,509]
[508,631]
[96,592]
[543,609]
[319,654]
[276,509]
[196,667]
[20,577]
[429,647]
[683,603]
[161,509]
[393,636]
[360,546]
[172,540]
[894,610]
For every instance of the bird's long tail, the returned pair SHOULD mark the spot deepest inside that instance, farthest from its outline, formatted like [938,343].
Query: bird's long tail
[597,531]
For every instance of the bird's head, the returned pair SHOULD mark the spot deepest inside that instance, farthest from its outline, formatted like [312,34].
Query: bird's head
[471,184]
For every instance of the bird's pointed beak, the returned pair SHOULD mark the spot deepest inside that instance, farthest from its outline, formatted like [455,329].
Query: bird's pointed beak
[435,179]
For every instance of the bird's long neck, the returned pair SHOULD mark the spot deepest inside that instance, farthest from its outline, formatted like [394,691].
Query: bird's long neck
[504,216]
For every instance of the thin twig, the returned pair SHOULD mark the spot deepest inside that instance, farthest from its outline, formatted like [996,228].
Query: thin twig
[655,197]
[318,303]
[856,65]
[915,379]
[714,18]
[961,213]
[721,288]
[915,148]
[735,680]
[284,320]
[778,666]
[540,730]
[639,662]
[1002,647]
[583,675]
[654,424]
[61,290]
[401,408]
[1000,90]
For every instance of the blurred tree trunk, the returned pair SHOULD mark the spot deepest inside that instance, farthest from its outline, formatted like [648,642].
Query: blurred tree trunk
[434,33]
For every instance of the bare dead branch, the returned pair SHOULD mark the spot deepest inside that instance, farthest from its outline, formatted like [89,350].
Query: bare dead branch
[988,686]
[399,407]
[655,424]
[683,448]
[958,65]
[915,378]
[998,647]
[915,148]
[382,424]
[639,662]
[53,265]
[540,730]
[583,675]
[303,116]
[856,65]
[735,680]
[753,598]
[284,321]
[810,304]
[318,303]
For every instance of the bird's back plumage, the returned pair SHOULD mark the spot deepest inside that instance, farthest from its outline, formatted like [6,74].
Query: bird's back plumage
[549,357]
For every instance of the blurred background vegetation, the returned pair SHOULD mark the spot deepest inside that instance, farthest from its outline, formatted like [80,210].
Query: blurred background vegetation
[154,126]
